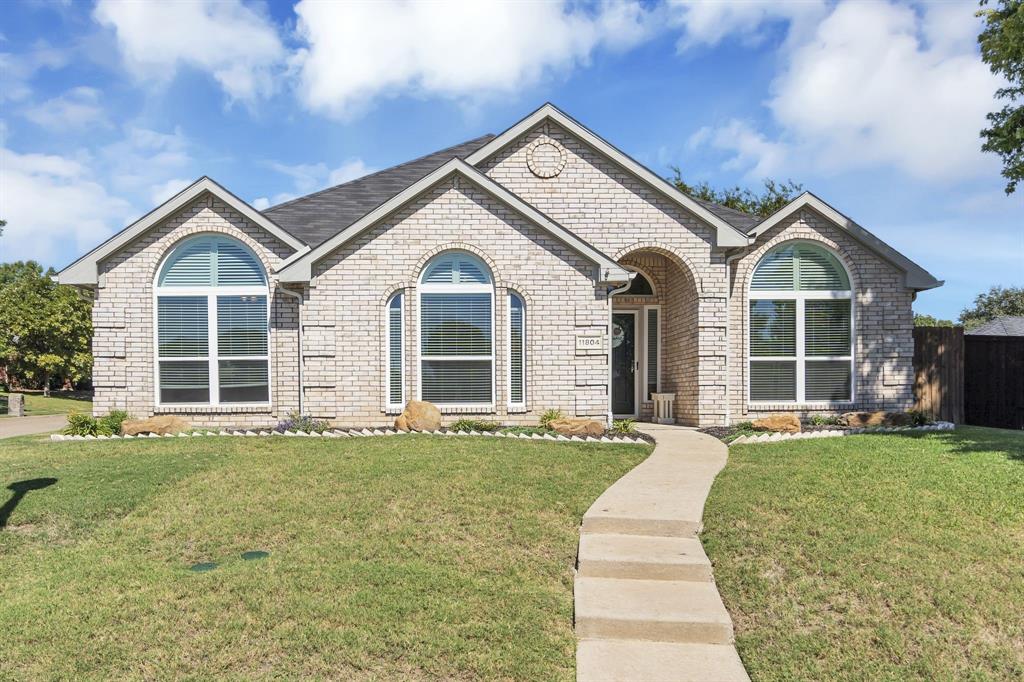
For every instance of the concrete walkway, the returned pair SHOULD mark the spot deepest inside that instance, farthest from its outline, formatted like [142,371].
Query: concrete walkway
[647,609]
[25,426]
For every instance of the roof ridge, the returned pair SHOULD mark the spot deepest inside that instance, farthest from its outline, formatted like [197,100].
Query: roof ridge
[487,136]
[727,208]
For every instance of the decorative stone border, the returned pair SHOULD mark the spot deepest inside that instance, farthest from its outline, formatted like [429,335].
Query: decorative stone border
[777,436]
[537,166]
[352,433]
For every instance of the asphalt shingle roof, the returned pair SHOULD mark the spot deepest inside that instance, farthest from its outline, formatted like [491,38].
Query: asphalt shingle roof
[317,217]
[1001,326]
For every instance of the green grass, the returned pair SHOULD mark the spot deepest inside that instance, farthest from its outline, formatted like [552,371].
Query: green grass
[874,557]
[59,402]
[408,557]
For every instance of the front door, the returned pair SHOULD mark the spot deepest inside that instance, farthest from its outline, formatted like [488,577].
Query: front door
[624,363]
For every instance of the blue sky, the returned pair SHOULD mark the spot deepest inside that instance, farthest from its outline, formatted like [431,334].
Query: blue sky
[106,109]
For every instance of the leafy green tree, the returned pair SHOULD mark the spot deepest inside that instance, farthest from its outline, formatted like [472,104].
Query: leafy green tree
[3,224]
[997,302]
[1002,48]
[774,196]
[45,328]
[921,320]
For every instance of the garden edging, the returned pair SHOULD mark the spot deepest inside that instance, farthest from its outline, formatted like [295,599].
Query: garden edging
[835,433]
[353,433]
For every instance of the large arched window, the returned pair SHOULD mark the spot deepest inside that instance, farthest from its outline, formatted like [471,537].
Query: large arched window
[212,325]
[456,301]
[801,327]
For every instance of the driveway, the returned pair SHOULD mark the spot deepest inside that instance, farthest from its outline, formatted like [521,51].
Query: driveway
[25,426]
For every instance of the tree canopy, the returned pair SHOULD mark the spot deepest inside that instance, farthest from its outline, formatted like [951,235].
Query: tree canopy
[774,196]
[921,320]
[1002,48]
[996,302]
[45,328]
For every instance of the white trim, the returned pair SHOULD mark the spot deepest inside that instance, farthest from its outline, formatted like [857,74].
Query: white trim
[436,288]
[299,268]
[211,293]
[390,407]
[636,387]
[85,270]
[726,234]
[520,406]
[916,277]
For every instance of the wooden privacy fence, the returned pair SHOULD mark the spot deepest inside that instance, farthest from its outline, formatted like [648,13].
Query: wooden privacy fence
[994,381]
[939,372]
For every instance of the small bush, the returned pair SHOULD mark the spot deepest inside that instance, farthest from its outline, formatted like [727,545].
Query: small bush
[297,422]
[823,420]
[624,425]
[86,425]
[528,430]
[550,416]
[919,418]
[474,425]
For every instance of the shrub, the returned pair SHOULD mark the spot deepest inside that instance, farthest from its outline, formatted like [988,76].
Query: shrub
[474,425]
[86,425]
[919,418]
[297,422]
[624,425]
[823,420]
[550,416]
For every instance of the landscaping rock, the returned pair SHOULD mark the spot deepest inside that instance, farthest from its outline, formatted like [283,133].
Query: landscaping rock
[160,425]
[863,419]
[419,415]
[779,423]
[577,426]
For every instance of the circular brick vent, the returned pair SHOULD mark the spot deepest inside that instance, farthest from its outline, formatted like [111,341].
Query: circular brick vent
[545,157]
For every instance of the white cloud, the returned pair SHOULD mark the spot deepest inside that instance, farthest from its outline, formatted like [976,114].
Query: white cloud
[751,151]
[144,159]
[348,171]
[163,191]
[876,84]
[50,202]
[311,177]
[16,70]
[708,22]
[461,49]
[76,109]
[233,42]
[260,203]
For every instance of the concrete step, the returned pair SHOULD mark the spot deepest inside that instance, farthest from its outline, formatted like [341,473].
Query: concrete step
[616,660]
[597,522]
[643,557]
[657,610]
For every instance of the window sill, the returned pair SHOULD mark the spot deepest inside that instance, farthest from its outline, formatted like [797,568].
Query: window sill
[466,409]
[820,405]
[246,408]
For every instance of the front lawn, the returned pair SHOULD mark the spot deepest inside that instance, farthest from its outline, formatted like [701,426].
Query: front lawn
[58,402]
[403,557]
[874,557]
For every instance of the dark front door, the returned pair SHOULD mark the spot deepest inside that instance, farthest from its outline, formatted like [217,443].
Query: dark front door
[624,363]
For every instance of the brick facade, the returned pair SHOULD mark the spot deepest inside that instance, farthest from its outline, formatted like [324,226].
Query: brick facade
[702,318]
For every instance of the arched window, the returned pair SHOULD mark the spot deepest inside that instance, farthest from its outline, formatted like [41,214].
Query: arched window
[394,347]
[516,351]
[801,327]
[640,285]
[456,301]
[212,325]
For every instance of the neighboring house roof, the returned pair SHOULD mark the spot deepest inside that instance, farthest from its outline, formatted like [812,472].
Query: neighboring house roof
[317,217]
[916,277]
[1008,325]
[726,233]
[299,267]
[85,270]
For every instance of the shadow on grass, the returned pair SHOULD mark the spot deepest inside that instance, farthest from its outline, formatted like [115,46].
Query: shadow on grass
[20,489]
[970,439]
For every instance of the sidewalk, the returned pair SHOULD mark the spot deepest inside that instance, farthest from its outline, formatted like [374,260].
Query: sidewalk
[25,426]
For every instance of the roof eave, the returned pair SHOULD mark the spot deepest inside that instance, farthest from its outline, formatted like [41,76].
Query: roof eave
[85,270]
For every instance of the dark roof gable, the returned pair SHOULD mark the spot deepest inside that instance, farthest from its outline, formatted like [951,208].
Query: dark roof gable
[1008,325]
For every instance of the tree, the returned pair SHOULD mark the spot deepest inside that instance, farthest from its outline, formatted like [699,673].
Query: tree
[997,302]
[45,328]
[921,320]
[1002,48]
[774,196]
[3,224]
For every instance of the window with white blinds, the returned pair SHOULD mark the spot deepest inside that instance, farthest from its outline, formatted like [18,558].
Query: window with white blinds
[800,327]
[394,335]
[653,349]
[516,351]
[212,332]
[456,305]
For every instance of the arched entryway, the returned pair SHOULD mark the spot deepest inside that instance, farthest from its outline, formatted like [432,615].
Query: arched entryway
[655,335]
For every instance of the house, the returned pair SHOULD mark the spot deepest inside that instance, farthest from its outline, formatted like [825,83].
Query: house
[539,268]
[1007,325]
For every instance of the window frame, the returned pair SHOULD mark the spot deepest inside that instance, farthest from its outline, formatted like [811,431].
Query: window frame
[460,288]
[516,406]
[213,358]
[390,407]
[800,297]
[650,280]
[647,344]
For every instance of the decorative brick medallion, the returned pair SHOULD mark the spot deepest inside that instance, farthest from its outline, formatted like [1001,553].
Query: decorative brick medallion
[545,157]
